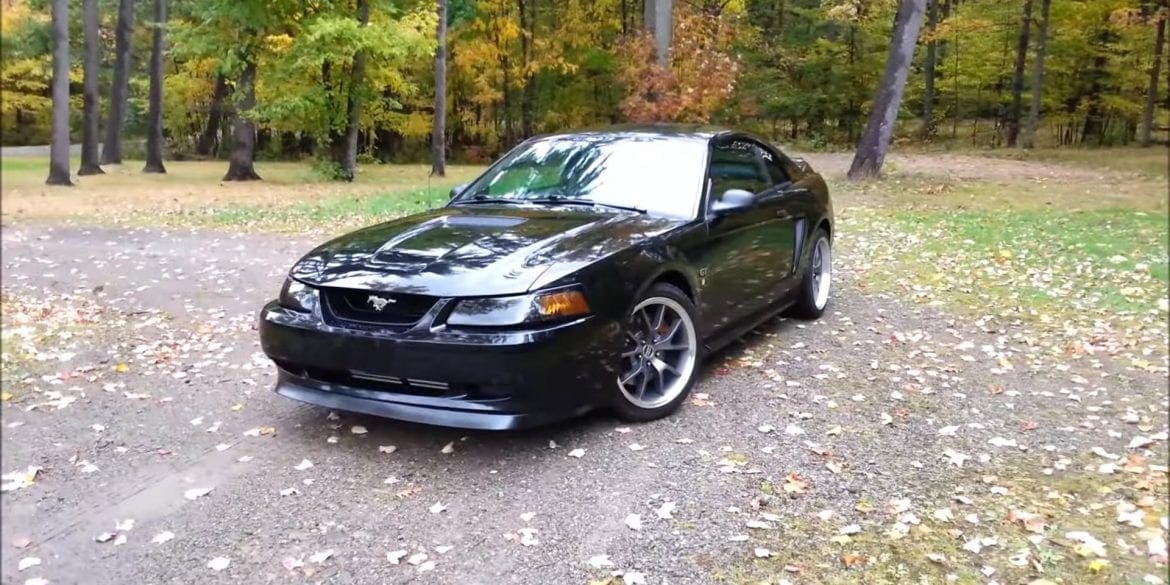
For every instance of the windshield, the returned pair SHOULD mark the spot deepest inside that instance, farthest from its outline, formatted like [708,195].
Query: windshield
[662,175]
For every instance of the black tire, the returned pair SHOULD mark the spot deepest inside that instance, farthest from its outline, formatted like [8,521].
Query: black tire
[806,294]
[623,404]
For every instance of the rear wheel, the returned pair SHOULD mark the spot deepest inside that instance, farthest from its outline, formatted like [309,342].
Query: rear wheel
[660,356]
[813,295]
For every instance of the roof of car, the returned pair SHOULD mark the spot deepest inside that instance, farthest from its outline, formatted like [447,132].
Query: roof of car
[663,129]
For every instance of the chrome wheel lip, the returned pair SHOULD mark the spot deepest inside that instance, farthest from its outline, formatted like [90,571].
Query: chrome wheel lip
[822,272]
[685,366]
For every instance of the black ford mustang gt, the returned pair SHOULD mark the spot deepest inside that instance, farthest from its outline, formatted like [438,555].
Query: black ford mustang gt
[582,270]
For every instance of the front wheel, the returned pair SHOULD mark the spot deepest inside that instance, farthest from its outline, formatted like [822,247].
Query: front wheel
[813,294]
[660,357]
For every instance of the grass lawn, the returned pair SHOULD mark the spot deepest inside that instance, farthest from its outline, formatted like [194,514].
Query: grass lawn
[290,198]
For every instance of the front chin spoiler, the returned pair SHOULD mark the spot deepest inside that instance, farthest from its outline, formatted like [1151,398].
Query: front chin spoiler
[345,399]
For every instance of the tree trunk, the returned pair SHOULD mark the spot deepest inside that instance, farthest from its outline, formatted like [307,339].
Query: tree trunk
[928,67]
[59,147]
[659,22]
[154,121]
[89,128]
[119,89]
[1147,127]
[207,138]
[345,151]
[240,166]
[527,37]
[1014,114]
[439,127]
[1028,140]
[509,134]
[875,140]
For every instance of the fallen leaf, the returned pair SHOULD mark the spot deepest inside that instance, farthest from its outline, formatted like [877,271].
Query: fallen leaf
[794,484]
[358,430]
[448,449]
[28,562]
[163,537]
[395,556]
[633,578]
[578,453]
[600,562]
[666,510]
[320,557]
[219,563]
[852,560]
[634,521]
[303,465]
[196,493]
[387,449]
[437,507]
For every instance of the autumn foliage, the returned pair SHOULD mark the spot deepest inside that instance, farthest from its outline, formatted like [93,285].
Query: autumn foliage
[700,79]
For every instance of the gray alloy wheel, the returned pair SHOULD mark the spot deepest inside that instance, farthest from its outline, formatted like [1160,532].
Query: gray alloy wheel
[822,272]
[812,296]
[660,357]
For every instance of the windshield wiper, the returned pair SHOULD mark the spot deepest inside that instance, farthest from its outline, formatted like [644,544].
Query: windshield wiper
[559,200]
[484,199]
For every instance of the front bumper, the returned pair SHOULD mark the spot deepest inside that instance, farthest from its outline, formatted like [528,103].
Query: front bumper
[468,379]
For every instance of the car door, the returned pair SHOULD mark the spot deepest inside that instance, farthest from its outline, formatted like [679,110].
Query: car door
[741,262]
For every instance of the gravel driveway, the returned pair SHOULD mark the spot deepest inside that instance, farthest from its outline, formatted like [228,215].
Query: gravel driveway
[165,458]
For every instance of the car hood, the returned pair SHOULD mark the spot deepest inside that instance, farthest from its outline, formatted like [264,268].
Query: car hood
[474,250]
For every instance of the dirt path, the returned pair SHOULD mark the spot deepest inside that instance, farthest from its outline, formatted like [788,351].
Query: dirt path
[805,433]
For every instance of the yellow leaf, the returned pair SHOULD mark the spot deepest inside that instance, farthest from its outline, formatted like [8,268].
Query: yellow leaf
[237,407]
[121,368]
[5,396]
[1098,565]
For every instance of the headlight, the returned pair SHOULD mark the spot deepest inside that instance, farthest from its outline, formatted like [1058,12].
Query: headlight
[503,311]
[298,296]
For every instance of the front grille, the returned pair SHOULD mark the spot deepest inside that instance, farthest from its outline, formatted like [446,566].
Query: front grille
[344,306]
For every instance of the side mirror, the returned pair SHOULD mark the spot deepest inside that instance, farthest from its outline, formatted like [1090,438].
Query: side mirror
[457,189]
[733,200]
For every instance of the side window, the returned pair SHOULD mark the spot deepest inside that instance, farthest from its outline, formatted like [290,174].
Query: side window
[734,165]
[775,167]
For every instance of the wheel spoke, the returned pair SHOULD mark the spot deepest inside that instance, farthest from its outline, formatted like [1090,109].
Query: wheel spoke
[632,352]
[646,319]
[658,321]
[664,346]
[641,369]
[661,364]
[661,383]
[643,383]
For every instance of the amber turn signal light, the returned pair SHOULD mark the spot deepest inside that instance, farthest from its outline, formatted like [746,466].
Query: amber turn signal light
[562,304]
